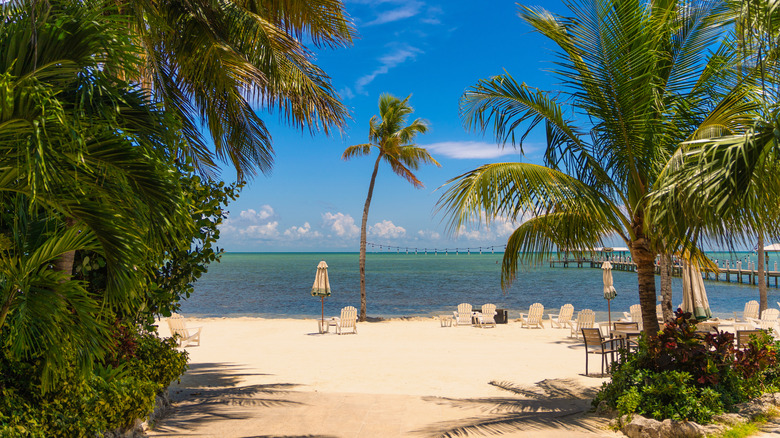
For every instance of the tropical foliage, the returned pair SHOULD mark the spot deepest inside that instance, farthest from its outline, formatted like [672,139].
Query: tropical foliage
[395,145]
[638,82]
[685,375]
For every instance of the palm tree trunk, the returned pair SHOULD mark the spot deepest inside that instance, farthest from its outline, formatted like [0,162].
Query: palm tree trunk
[666,287]
[763,303]
[64,263]
[363,241]
[645,268]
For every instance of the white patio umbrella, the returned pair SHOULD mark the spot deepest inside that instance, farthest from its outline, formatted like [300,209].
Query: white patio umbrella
[694,295]
[609,290]
[321,288]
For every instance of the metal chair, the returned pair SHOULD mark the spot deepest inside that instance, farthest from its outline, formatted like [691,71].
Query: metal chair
[743,336]
[596,344]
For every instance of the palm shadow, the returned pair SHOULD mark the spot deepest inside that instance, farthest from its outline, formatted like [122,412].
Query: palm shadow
[553,403]
[206,390]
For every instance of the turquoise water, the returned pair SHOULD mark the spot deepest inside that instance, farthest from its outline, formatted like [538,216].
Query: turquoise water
[279,284]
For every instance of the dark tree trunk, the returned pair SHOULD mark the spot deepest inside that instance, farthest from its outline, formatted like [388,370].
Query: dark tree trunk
[64,263]
[763,302]
[645,268]
[666,287]
[363,235]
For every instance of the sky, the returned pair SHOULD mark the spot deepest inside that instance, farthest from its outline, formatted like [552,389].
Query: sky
[432,50]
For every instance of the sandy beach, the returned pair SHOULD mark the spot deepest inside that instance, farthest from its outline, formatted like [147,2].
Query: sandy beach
[407,377]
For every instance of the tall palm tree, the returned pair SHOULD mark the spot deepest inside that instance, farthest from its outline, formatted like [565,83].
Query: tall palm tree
[637,71]
[395,144]
[215,63]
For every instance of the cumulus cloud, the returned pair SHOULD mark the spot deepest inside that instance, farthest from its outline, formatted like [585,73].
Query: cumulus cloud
[470,149]
[301,232]
[386,229]
[428,234]
[251,215]
[499,228]
[263,232]
[341,224]
[393,59]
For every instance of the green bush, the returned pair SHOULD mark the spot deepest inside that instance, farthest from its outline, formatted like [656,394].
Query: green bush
[684,375]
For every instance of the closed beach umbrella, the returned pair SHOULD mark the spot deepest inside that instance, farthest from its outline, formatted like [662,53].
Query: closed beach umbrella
[609,290]
[321,287]
[694,295]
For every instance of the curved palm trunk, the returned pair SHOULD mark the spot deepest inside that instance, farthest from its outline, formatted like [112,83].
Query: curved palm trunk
[666,287]
[363,241]
[645,268]
[64,263]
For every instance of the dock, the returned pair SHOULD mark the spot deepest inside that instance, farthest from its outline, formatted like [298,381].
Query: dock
[726,272]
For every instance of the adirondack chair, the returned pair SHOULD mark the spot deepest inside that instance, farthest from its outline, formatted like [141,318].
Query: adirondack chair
[347,321]
[488,317]
[186,335]
[634,314]
[768,320]
[561,320]
[586,318]
[534,317]
[463,315]
[749,313]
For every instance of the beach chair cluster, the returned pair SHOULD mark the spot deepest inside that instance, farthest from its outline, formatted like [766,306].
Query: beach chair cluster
[465,316]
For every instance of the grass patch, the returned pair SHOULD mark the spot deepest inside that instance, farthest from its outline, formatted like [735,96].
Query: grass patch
[748,429]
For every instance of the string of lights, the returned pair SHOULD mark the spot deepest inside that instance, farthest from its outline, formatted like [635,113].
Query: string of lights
[377,247]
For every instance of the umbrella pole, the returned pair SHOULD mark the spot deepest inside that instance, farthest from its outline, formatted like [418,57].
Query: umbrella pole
[609,314]
[322,302]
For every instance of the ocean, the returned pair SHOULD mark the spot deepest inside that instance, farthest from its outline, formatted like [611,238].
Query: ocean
[278,285]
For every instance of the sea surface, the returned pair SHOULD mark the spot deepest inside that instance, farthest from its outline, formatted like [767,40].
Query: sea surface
[278,285]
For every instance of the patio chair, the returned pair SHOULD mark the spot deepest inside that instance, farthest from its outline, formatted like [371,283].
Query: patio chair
[187,336]
[561,320]
[750,312]
[586,318]
[534,317]
[768,320]
[463,315]
[634,314]
[596,344]
[488,316]
[743,337]
[347,321]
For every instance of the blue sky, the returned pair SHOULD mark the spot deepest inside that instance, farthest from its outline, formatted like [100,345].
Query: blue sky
[433,50]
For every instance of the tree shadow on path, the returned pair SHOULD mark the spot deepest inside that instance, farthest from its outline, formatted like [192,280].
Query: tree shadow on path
[562,404]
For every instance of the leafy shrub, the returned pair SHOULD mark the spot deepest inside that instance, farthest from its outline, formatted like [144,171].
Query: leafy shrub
[685,375]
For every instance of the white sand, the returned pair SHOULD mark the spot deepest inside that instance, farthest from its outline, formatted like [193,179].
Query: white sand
[394,366]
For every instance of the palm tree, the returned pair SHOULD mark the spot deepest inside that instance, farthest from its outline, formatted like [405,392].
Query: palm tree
[637,71]
[214,63]
[394,142]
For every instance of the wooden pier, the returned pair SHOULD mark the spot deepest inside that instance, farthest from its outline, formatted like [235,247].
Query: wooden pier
[728,274]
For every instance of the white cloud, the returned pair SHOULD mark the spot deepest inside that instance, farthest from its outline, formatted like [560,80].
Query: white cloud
[251,215]
[499,228]
[399,56]
[341,224]
[406,10]
[346,93]
[428,234]
[386,229]
[265,231]
[470,149]
[301,232]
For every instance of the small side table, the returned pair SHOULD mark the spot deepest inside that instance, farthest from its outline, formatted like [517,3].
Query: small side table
[445,320]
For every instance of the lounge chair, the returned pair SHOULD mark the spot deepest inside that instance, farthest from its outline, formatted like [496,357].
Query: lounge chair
[596,344]
[767,322]
[750,312]
[743,336]
[534,317]
[586,318]
[347,321]
[488,316]
[187,336]
[634,314]
[561,320]
[463,315]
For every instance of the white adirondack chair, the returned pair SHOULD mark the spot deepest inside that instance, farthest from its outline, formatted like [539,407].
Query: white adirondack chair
[186,335]
[586,318]
[534,317]
[463,315]
[347,321]
[749,314]
[767,322]
[488,315]
[561,320]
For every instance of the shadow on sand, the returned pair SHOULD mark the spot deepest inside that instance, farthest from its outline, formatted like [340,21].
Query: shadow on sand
[207,390]
[561,403]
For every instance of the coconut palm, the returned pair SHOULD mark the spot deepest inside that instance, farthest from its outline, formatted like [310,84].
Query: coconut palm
[395,144]
[637,72]
[215,63]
